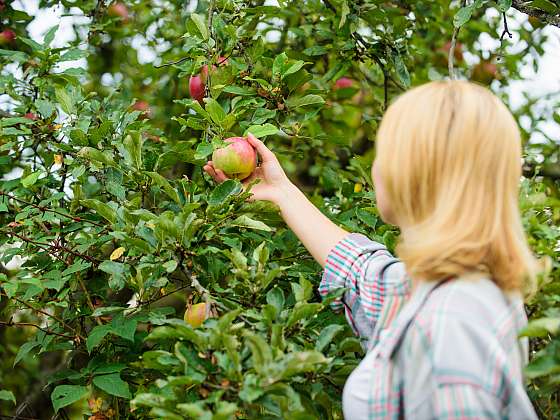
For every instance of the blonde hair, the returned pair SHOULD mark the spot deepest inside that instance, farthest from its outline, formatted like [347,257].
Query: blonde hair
[449,156]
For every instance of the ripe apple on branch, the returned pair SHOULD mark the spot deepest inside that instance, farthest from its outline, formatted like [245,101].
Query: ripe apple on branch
[197,83]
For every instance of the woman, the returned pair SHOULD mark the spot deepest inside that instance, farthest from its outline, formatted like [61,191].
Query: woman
[440,324]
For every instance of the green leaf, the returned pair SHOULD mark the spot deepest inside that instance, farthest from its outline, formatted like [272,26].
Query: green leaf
[541,327]
[545,5]
[118,272]
[305,101]
[74,54]
[327,335]
[7,396]
[200,23]
[133,150]
[64,395]
[295,67]
[124,327]
[316,50]
[49,36]
[215,110]
[303,311]
[246,221]
[275,297]
[262,354]
[203,150]
[97,155]
[223,191]
[278,65]
[504,5]
[96,336]
[240,90]
[401,70]
[113,384]
[165,185]
[262,130]
[463,15]
[65,100]
[103,209]
[24,349]
[31,179]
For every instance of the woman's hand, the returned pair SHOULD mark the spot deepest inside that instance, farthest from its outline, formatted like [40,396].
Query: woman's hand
[313,228]
[273,182]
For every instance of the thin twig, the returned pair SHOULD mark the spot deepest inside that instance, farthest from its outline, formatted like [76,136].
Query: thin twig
[506,29]
[179,61]
[30,324]
[45,209]
[451,53]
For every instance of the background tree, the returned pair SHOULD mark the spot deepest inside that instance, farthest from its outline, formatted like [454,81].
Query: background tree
[118,231]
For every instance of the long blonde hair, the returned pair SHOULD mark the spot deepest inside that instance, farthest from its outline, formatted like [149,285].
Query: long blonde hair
[449,156]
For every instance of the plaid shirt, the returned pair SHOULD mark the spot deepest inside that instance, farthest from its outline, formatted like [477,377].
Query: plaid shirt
[449,350]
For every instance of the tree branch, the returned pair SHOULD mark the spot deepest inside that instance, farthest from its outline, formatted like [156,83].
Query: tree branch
[523,7]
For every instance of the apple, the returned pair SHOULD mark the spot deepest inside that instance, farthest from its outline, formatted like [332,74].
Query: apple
[237,160]
[30,116]
[197,83]
[118,10]
[197,88]
[343,83]
[7,36]
[195,315]
[485,72]
[143,107]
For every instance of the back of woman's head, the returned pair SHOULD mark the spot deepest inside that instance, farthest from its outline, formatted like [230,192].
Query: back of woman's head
[449,156]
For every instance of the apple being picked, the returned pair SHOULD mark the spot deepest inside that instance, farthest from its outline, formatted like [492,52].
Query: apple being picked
[237,160]
[7,36]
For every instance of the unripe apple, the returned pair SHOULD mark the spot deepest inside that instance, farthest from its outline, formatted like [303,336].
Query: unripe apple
[343,83]
[7,36]
[197,88]
[118,10]
[237,160]
[195,315]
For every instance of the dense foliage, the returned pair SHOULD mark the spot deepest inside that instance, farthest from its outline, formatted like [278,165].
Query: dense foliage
[110,229]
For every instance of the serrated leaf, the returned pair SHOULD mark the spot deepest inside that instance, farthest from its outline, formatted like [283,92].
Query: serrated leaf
[113,384]
[64,395]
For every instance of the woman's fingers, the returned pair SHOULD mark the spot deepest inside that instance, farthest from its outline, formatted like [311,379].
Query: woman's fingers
[264,152]
[217,174]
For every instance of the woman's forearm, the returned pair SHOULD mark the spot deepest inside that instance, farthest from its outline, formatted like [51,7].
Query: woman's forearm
[317,233]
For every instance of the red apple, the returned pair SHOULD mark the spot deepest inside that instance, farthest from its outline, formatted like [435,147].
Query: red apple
[7,36]
[485,72]
[118,10]
[197,88]
[197,83]
[343,83]
[30,116]
[143,107]
[237,160]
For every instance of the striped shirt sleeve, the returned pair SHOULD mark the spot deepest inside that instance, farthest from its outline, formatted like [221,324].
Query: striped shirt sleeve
[376,281]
